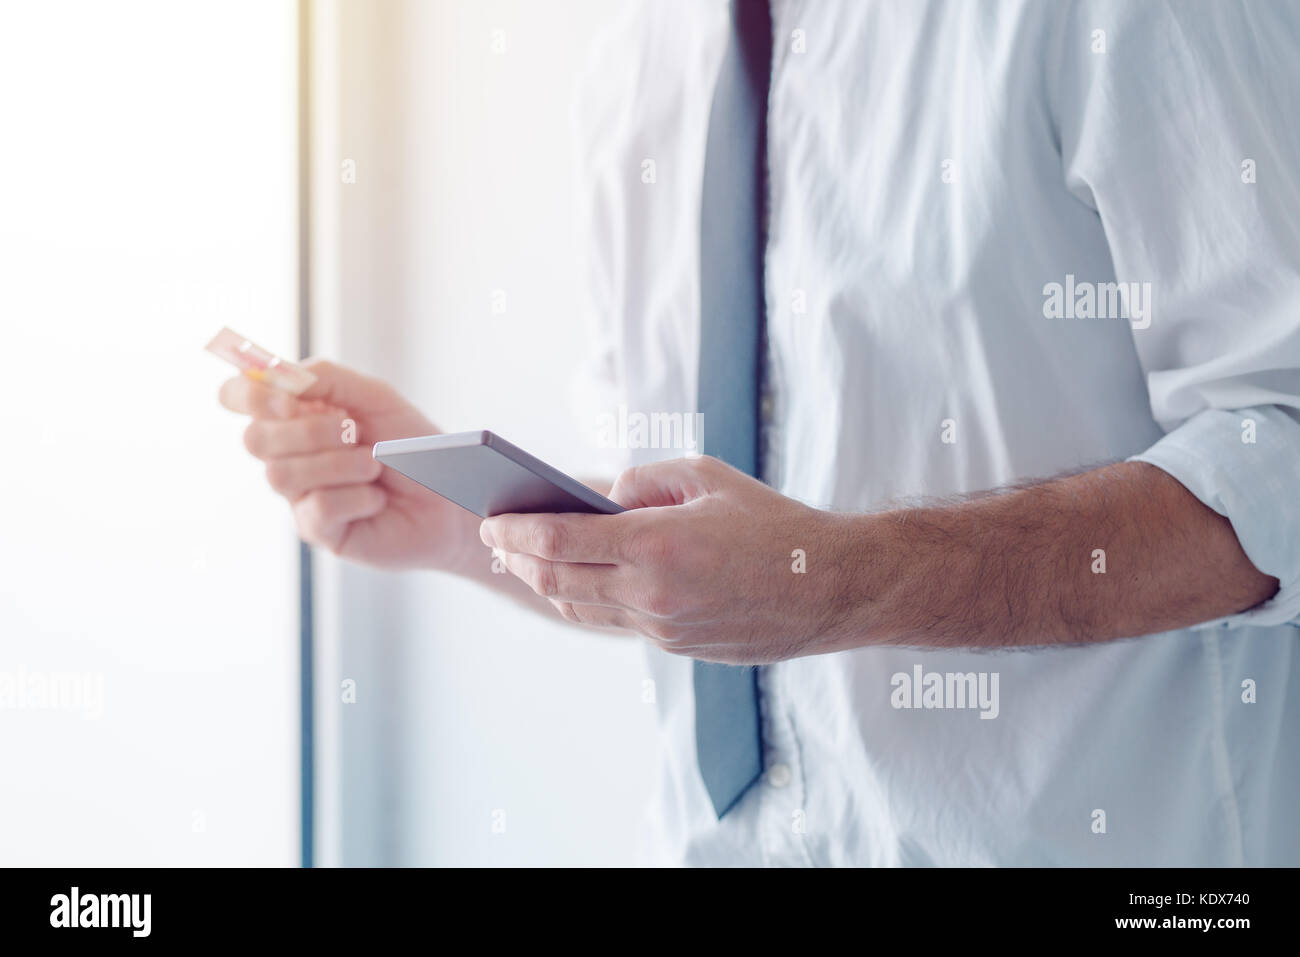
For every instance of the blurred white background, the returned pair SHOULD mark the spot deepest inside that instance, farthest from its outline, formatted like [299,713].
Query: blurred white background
[149,197]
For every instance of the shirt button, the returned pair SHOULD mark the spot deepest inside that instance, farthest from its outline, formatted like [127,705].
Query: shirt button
[778,775]
[765,408]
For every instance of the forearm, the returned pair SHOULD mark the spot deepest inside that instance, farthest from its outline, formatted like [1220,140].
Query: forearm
[1116,552]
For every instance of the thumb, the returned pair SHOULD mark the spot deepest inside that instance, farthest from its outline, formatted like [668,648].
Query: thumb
[674,482]
[344,388]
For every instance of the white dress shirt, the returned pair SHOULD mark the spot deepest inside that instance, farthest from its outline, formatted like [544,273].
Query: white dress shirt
[947,183]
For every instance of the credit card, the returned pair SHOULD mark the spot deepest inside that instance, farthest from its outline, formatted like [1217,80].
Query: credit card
[260,364]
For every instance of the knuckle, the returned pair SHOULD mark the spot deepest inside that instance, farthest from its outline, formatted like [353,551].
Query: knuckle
[622,489]
[255,439]
[310,514]
[659,601]
[545,540]
[541,577]
[707,465]
[666,635]
[279,476]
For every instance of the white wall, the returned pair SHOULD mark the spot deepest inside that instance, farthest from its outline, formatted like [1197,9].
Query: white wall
[148,198]
[465,705]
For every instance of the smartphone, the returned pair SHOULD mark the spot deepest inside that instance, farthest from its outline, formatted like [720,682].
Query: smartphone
[484,473]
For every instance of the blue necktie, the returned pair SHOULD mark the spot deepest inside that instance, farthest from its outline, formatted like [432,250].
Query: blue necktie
[728,736]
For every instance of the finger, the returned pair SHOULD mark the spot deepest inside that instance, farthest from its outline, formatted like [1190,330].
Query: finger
[344,388]
[588,584]
[276,438]
[597,616]
[250,397]
[296,475]
[559,537]
[672,482]
[323,516]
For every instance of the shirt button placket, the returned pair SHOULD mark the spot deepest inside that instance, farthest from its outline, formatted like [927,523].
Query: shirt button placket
[782,799]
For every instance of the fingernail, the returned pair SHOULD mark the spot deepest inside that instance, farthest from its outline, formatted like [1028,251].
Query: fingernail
[485,534]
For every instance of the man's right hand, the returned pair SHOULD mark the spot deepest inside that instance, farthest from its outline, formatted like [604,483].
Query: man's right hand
[317,453]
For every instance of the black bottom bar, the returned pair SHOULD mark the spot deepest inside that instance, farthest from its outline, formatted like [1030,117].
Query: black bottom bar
[335,907]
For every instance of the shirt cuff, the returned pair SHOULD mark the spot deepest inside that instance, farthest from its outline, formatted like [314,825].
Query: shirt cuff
[1245,464]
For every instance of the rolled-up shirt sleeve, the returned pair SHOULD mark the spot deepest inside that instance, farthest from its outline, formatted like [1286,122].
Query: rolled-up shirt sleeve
[1186,146]
[1245,464]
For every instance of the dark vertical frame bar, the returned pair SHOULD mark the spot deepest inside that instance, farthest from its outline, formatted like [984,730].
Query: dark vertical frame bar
[306,627]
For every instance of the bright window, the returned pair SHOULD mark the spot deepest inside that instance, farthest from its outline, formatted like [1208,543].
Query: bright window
[148,581]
